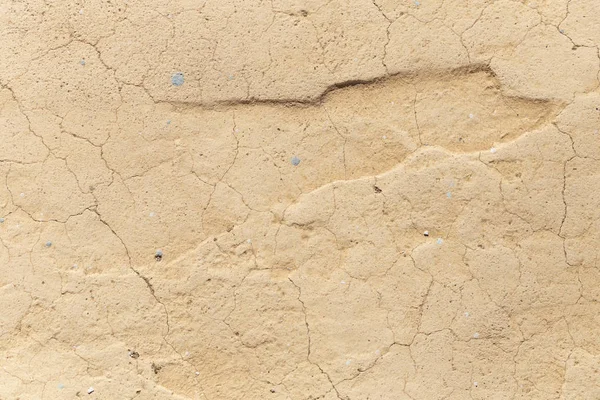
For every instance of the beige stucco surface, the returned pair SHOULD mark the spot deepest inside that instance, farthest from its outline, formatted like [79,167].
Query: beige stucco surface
[353,199]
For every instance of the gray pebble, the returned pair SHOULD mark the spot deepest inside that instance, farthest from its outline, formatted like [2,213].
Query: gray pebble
[177,79]
[48,243]
[295,160]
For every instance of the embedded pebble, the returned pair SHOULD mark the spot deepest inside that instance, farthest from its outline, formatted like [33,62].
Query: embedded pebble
[82,62]
[90,390]
[440,241]
[1,220]
[177,79]
[426,233]
[476,335]
[295,160]
[48,243]
[493,150]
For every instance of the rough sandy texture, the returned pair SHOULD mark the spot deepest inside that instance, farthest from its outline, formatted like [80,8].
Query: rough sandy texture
[229,199]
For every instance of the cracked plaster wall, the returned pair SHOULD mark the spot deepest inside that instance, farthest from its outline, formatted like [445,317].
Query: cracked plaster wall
[285,158]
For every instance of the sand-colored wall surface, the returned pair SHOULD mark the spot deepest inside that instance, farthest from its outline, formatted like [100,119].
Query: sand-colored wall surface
[300,199]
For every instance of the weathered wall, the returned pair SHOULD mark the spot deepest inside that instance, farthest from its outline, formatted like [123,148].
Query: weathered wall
[353,199]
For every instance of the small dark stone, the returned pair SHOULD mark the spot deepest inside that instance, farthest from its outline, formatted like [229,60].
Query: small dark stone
[156,368]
